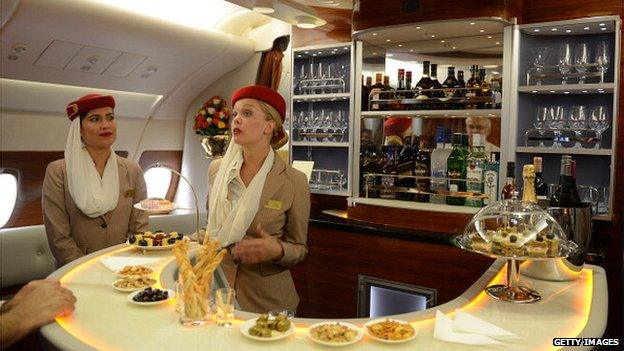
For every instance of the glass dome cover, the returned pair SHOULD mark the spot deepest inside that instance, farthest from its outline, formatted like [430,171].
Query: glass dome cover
[515,229]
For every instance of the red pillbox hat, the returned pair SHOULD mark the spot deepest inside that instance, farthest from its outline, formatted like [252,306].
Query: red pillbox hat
[87,103]
[396,125]
[262,93]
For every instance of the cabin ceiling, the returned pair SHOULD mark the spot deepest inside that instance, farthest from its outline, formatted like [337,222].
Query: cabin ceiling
[87,43]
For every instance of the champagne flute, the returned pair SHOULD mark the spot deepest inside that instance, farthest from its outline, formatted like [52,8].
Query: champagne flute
[581,58]
[602,58]
[556,121]
[578,121]
[540,123]
[565,60]
[599,121]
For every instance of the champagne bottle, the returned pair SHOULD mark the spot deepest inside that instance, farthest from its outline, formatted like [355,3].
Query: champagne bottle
[566,194]
[366,89]
[436,83]
[425,83]
[375,90]
[541,188]
[450,86]
[528,188]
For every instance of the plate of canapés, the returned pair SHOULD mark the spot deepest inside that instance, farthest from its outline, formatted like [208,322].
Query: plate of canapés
[133,283]
[155,205]
[390,331]
[335,333]
[155,241]
[134,271]
[150,296]
[268,328]
[510,242]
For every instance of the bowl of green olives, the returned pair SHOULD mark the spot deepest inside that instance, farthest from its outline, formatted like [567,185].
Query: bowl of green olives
[268,327]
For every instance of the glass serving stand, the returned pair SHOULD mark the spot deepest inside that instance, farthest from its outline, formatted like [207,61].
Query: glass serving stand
[517,231]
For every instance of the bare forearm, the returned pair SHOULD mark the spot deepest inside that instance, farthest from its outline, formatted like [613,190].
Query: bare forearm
[12,328]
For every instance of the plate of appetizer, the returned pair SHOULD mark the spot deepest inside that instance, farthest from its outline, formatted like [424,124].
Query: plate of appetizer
[390,331]
[132,283]
[335,333]
[150,297]
[156,205]
[134,271]
[155,241]
[268,328]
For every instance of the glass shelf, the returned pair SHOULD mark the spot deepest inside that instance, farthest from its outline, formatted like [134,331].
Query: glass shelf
[321,97]
[566,151]
[491,113]
[596,88]
[319,143]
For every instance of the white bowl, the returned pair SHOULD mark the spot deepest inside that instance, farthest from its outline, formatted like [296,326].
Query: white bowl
[358,337]
[131,289]
[156,211]
[131,295]
[370,335]
[118,274]
[244,329]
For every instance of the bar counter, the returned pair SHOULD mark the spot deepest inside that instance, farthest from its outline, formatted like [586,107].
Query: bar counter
[103,319]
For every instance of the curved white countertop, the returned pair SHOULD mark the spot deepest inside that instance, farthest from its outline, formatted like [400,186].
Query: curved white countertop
[104,320]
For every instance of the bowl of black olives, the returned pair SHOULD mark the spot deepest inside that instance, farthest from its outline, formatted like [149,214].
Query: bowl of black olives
[150,296]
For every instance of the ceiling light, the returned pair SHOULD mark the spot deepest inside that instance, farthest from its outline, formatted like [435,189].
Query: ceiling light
[489,37]
[586,28]
[374,53]
[481,30]
[584,91]
[536,30]
[346,48]
[568,30]
[19,48]
[553,29]
[417,27]
[263,6]
[93,59]
[498,43]
[602,24]
[433,35]
[320,52]
[454,47]
[603,29]
[411,50]
[441,41]
[552,91]
[305,22]
[388,40]
[472,23]
[566,92]
[400,45]
[534,91]
[374,34]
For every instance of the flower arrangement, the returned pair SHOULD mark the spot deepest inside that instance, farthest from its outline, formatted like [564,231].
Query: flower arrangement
[212,118]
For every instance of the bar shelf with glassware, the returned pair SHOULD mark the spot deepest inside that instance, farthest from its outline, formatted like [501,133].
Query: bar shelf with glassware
[386,99]
[587,88]
[567,151]
[321,97]
[549,72]
[490,113]
[564,138]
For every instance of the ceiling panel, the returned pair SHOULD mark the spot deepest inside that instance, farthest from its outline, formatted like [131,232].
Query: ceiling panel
[93,59]
[124,64]
[58,54]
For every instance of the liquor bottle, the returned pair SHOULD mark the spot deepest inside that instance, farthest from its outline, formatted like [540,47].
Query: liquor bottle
[465,144]
[510,183]
[485,90]
[436,83]
[450,86]
[456,170]
[528,185]
[406,167]
[370,165]
[439,158]
[460,79]
[473,86]
[475,168]
[566,194]
[366,89]
[490,180]
[541,188]
[387,95]
[390,171]
[422,168]
[375,90]
[408,84]
[424,84]
[400,91]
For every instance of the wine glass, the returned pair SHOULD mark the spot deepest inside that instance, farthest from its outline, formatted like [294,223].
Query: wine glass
[577,120]
[602,59]
[599,121]
[540,123]
[581,59]
[565,60]
[540,55]
[556,121]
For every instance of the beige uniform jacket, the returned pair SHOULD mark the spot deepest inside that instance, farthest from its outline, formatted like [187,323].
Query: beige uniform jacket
[284,211]
[71,234]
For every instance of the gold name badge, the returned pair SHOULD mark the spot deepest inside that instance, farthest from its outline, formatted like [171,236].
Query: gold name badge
[274,205]
[130,193]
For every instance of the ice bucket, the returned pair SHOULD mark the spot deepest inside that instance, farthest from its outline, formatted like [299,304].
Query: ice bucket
[577,224]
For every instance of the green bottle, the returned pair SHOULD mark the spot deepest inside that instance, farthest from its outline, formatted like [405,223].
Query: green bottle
[475,168]
[456,171]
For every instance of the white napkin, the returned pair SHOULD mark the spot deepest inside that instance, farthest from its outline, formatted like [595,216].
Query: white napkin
[467,323]
[116,263]
[444,330]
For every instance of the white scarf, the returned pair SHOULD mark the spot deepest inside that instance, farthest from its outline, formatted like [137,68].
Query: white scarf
[230,223]
[93,195]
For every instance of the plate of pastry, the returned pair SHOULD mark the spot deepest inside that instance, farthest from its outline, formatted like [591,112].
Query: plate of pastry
[150,297]
[390,331]
[155,241]
[134,271]
[335,333]
[156,205]
[133,283]
[268,328]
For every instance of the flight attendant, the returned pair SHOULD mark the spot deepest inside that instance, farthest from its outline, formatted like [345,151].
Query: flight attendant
[259,206]
[88,196]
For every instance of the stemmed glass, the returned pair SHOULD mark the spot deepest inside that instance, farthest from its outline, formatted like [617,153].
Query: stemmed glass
[556,121]
[565,60]
[602,58]
[599,121]
[540,55]
[540,122]
[581,58]
[578,121]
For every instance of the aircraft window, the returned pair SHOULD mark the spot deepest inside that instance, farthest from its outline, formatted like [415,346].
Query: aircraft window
[158,181]
[8,194]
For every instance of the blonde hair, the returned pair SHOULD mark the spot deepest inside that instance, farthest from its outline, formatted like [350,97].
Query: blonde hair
[278,139]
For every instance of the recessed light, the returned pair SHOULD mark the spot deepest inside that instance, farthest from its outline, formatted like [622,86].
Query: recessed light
[603,29]
[584,91]
[552,91]
[374,53]
[417,27]
[472,23]
[602,24]
[536,30]
[553,29]
[374,34]
[306,52]
[433,35]
[568,30]
[320,52]
[498,43]
[400,45]
[481,30]
[454,47]
[19,48]
[441,41]
[534,91]
[411,50]
[586,28]
[388,40]
[566,92]
[305,22]
[346,48]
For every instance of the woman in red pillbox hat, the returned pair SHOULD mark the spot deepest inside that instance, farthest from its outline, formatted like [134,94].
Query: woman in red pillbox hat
[88,196]
[258,205]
